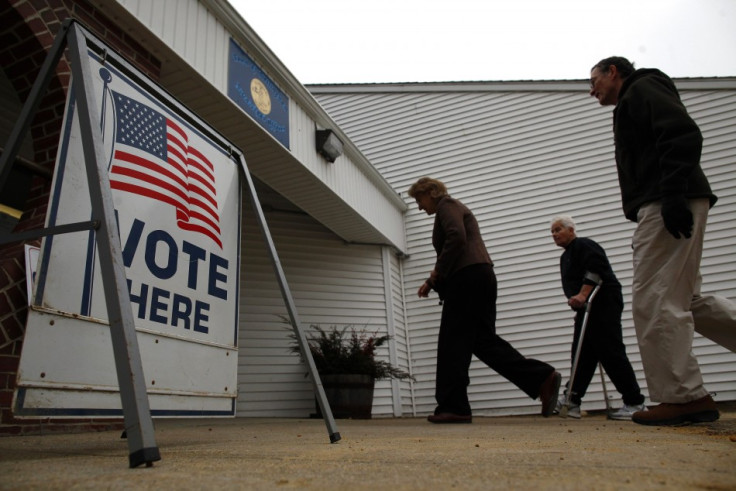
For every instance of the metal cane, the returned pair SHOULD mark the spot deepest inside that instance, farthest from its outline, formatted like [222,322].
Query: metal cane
[566,406]
[605,391]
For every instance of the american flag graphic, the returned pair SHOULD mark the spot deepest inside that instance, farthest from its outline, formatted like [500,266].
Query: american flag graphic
[152,158]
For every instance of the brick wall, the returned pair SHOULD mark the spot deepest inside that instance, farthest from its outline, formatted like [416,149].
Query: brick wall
[29,29]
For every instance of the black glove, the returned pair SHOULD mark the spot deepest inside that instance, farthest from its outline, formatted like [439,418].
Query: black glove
[678,219]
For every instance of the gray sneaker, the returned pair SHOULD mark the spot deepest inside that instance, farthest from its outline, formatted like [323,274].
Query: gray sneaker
[573,410]
[625,412]
[559,404]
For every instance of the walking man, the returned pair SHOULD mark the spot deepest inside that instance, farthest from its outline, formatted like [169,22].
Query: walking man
[665,191]
[583,265]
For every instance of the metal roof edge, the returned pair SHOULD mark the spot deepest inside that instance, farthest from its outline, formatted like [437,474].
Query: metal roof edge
[686,83]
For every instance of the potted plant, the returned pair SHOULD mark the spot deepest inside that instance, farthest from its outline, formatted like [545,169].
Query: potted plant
[346,362]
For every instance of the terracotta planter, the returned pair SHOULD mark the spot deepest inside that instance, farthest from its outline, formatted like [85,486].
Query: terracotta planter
[350,396]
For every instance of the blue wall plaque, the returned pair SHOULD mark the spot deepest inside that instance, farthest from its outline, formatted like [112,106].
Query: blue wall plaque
[257,95]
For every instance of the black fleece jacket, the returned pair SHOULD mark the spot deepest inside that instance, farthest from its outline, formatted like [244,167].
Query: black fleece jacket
[658,144]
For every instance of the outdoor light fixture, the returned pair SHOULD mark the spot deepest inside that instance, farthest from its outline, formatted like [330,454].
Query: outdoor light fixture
[328,145]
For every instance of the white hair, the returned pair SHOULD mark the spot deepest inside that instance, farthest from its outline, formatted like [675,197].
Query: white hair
[565,220]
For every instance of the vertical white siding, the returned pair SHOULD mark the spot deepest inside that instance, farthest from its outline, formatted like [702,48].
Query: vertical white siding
[331,283]
[399,354]
[190,30]
[517,158]
[403,339]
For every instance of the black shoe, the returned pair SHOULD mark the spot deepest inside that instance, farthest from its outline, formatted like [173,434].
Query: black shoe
[549,392]
[446,418]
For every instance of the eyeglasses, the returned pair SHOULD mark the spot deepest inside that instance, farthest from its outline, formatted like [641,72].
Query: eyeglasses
[599,74]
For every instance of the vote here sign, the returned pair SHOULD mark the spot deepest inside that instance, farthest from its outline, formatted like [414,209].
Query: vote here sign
[176,191]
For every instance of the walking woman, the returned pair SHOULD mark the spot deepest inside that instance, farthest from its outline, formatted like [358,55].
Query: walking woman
[464,279]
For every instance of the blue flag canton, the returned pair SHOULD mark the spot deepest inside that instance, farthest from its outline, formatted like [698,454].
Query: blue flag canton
[139,126]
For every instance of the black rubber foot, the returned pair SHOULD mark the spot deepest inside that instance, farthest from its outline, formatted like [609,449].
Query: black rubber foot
[335,437]
[144,456]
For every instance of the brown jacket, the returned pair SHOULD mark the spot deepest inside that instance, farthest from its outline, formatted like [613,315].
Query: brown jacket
[456,239]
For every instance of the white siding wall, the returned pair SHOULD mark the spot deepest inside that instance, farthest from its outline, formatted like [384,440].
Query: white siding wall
[517,158]
[191,31]
[331,283]
[402,393]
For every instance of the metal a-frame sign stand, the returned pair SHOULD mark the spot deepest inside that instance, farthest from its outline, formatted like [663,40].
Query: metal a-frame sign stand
[293,316]
[136,410]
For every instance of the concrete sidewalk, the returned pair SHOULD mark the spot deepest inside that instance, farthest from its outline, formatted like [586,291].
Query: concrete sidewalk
[524,452]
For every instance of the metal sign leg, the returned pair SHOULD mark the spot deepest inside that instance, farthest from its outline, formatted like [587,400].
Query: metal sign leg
[136,410]
[291,307]
[40,86]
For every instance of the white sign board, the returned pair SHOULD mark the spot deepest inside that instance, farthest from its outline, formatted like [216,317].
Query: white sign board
[177,198]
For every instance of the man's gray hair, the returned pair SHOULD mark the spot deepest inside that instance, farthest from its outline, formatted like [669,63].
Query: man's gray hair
[565,220]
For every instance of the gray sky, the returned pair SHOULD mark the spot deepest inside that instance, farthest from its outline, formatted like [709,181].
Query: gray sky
[353,41]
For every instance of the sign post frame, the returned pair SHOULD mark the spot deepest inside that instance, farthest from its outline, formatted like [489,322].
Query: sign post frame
[128,363]
[136,409]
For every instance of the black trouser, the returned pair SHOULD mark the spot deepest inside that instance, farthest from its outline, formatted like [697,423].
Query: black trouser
[604,343]
[468,327]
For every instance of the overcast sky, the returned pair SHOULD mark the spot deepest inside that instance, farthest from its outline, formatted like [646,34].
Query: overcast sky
[354,41]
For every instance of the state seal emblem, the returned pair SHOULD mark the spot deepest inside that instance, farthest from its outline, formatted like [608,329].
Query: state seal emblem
[259,92]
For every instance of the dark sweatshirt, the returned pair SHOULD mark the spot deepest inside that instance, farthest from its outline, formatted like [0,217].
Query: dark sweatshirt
[581,256]
[658,144]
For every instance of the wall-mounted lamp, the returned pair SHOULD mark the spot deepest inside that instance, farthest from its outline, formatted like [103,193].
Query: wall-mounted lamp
[328,145]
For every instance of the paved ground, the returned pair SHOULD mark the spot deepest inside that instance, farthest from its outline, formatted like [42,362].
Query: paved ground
[492,453]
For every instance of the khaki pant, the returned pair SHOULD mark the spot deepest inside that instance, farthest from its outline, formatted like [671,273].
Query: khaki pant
[667,305]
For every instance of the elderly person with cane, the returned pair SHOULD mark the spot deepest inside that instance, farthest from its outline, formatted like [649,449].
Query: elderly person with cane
[583,265]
